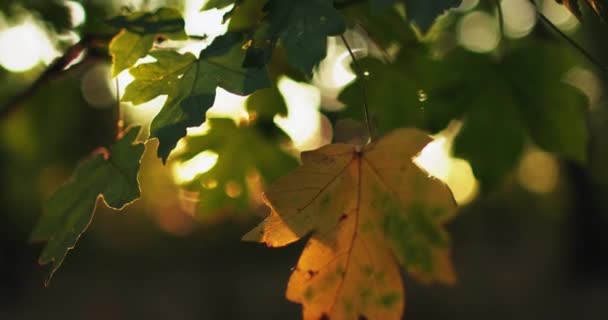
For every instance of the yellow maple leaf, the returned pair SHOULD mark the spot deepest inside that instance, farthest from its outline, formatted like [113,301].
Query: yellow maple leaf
[367,209]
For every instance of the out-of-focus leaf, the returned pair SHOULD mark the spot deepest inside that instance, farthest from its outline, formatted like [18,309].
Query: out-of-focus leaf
[302,27]
[364,207]
[414,90]
[599,7]
[267,103]
[384,27]
[139,30]
[243,152]
[492,137]
[69,210]
[190,85]
[378,5]
[553,111]
[423,13]
[499,109]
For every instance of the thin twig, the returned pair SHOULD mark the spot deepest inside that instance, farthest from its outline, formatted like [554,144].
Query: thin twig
[361,76]
[120,123]
[573,43]
[501,18]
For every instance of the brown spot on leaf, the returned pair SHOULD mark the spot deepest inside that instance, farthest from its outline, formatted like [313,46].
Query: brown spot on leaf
[362,317]
[343,217]
[324,316]
[312,273]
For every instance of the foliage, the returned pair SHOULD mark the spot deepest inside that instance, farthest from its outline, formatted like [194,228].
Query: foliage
[498,108]
[362,205]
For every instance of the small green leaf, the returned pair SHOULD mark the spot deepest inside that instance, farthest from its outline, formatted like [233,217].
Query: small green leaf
[423,13]
[190,86]
[225,186]
[302,26]
[69,210]
[139,30]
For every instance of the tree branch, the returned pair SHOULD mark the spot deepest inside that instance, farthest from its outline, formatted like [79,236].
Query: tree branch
[56,68]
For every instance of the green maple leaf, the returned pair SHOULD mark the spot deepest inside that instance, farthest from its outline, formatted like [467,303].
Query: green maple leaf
[139,30]
[499,110]
[69,210]
[190,85]
[302,26]
[225,185]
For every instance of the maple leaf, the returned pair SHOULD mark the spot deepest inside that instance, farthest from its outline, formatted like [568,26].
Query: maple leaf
[364,207]
[139,30]
[190,85]
[302,26]
[70,209]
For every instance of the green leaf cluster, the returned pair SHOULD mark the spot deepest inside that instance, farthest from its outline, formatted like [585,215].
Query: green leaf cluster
[139,31]
[502,102]
[190,85]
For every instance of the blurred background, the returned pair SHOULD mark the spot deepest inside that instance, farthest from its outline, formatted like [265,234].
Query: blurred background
[534,248]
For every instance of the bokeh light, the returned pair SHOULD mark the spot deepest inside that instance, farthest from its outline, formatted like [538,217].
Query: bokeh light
[559,15]
[478,31]
[97,86]
[436,159]
[77,13]
[184,172]
[519,17]
[303,122]
[24,46]
[538,172]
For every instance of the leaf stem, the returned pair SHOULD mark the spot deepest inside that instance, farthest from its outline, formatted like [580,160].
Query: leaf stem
[573,43]
[361,76]
[501,18]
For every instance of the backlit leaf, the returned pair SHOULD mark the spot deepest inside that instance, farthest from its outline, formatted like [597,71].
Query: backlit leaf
[139,31]
[190,85]
[69,210]
[364,207]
